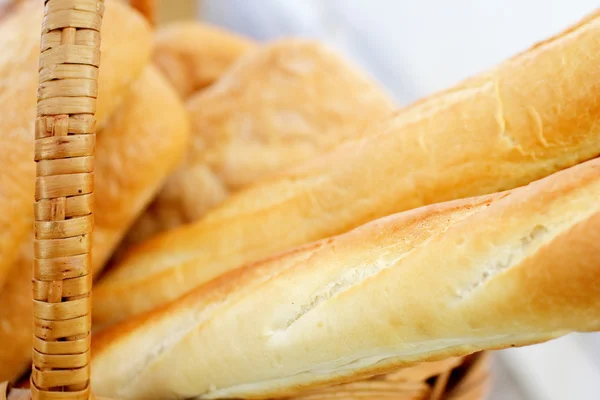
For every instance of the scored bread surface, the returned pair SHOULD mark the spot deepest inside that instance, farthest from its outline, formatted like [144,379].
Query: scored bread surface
[502,129]
[449,279]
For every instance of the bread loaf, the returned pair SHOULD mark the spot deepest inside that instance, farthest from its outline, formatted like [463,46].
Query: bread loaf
[278,105]
[194,55]
[507,269]
[510,126]
[138,147]
[122,62]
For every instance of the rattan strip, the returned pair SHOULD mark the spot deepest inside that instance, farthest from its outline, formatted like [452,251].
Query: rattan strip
[427,381]
[64,151]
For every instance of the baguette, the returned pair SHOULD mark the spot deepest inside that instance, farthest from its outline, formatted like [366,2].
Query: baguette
[506,269]
[148,135]
[122,62]
[193,56]
[277,106]
[517,123]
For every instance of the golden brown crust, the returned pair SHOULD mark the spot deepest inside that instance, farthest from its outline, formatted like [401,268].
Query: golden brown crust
[122,61]
[147,134]
[16,310]
[193,55]
[500,130]
[450,279]
[279,105]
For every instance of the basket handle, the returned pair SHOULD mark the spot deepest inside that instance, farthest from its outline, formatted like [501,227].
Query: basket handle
[147,8]
[64,155]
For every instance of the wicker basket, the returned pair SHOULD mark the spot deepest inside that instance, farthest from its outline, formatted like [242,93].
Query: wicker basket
[64,154]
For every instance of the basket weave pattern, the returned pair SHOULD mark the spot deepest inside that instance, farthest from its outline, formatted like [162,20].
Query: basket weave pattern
[64,155]
[453,379]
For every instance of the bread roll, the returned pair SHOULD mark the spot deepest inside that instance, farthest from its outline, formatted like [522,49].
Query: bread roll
[149,136]
[136,150]
[193,55]
[517,123]
[507,269]
[122,61]
[279,105]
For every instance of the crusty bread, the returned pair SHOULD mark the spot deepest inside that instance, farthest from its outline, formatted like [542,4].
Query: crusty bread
[122,62]
[16,310]
[193,55]
[277,106]
[506,128]
[148,134]
[506,269]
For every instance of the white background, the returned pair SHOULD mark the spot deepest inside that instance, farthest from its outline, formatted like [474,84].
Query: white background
[418,47]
